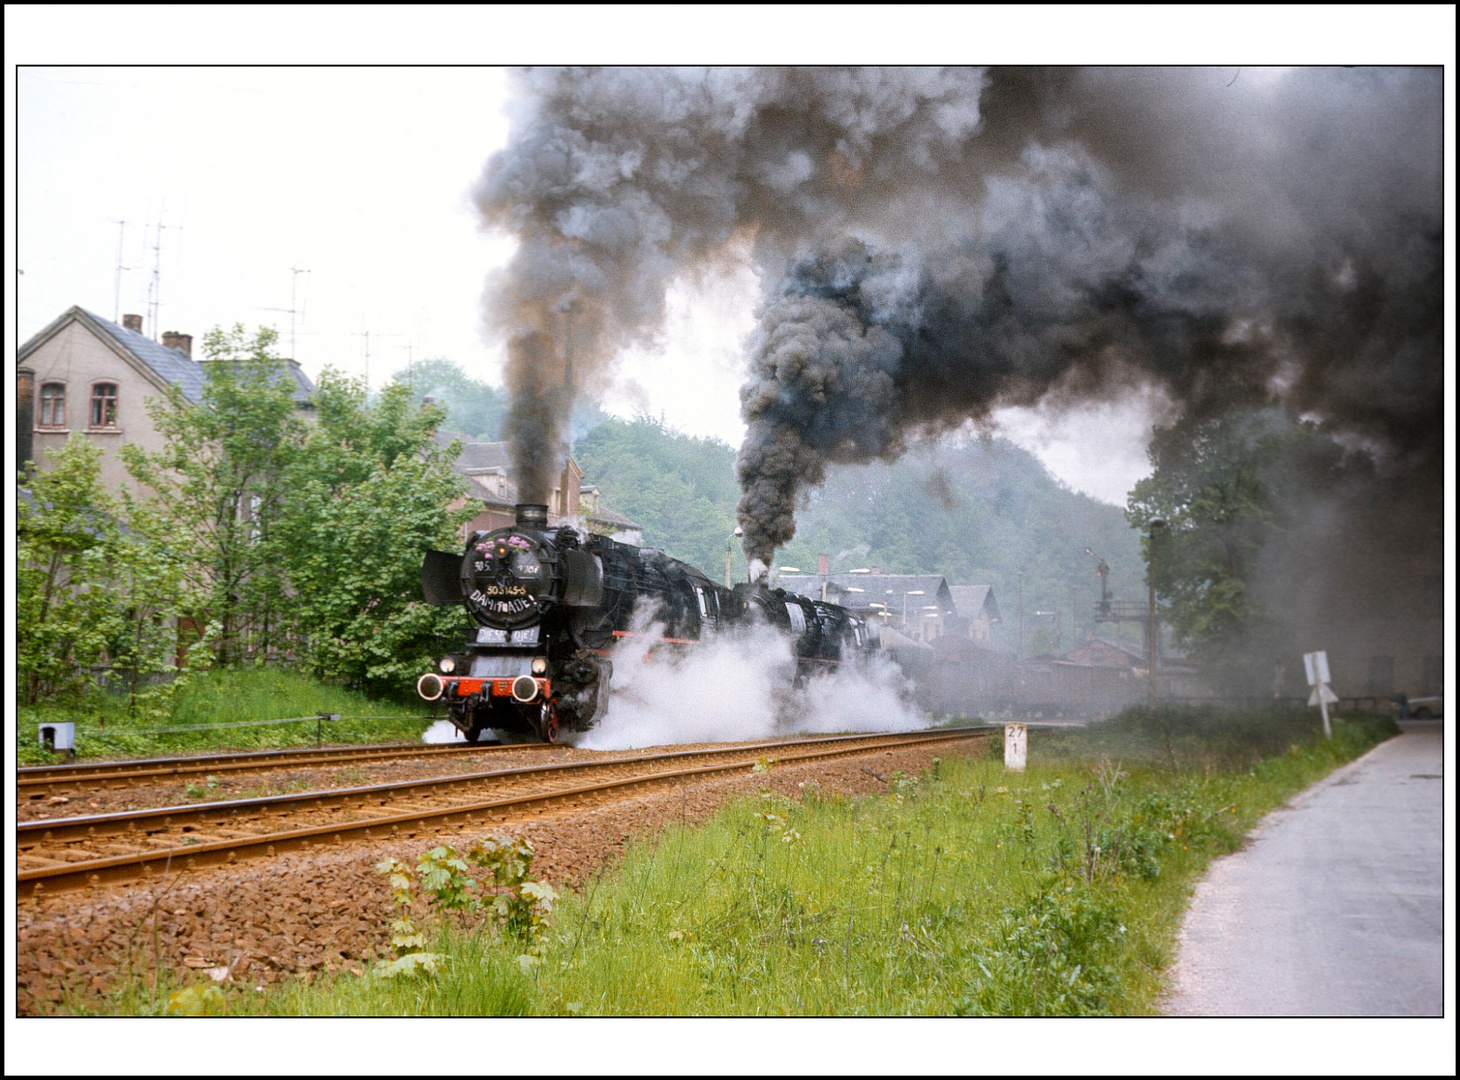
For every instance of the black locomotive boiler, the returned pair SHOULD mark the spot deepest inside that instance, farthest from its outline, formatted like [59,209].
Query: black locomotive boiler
[549,604]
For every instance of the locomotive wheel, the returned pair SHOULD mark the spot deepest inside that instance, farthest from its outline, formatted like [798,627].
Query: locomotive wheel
[547,725]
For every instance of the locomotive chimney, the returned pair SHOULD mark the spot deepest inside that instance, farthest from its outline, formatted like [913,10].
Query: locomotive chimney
[532,514]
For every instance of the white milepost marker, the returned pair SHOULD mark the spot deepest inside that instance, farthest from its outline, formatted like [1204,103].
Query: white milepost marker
[1315,664]
[1016,747]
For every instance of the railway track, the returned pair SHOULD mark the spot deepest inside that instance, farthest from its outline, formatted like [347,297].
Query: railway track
[59,854]
[36,782]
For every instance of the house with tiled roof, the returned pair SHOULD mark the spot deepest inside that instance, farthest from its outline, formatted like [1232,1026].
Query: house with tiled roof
[86,374]
[487,467]
[918,604]
[977,612]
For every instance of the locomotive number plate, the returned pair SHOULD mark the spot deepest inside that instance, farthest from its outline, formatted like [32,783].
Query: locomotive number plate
[489,636]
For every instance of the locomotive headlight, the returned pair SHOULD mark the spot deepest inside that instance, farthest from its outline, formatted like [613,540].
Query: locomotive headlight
[447,665]
[539,665]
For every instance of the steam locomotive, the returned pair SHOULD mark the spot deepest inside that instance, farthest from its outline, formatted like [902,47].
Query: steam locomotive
[549,604]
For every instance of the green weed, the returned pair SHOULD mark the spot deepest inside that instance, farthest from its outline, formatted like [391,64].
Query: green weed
[104,728]
[970,892]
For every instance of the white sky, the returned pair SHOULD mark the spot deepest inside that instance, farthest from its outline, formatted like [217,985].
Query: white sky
[359,176]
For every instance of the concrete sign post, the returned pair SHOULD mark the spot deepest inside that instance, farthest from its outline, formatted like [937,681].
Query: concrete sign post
[1016,747]
[1315,664]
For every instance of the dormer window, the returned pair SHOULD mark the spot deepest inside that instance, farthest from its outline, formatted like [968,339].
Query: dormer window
[53,405]
[104,405]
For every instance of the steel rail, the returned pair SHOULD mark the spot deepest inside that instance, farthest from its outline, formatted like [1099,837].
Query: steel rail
[158,819]
[102,772]
[62,875]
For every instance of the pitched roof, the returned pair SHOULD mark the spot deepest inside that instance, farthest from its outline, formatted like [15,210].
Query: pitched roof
[187,374]
[476,455]
[872,588]
[608,517]
[970,600]
[481,457]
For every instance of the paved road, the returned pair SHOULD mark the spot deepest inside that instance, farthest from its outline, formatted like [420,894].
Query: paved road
[1336,906]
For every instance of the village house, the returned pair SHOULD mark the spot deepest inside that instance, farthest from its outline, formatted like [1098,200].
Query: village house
[487,467]
[976,612]
[86,374]
[921,606]
[1097,652]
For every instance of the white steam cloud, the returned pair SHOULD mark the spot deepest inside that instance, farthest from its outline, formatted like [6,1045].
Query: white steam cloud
[737,686]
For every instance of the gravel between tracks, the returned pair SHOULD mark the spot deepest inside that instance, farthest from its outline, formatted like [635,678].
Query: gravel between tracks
[304,913]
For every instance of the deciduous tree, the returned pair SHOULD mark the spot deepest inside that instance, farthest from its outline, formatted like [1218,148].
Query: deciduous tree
[67,540]
[216,488]
[368,494]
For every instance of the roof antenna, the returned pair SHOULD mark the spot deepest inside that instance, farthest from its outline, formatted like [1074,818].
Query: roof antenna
[292,310]
[117,298]
[154,290]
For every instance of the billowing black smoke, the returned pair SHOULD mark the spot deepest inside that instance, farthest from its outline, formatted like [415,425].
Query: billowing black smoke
[615,181]
[1316,281]
[938,243]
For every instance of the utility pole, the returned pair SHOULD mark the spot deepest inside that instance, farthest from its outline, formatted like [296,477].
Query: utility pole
[1019,651]
[1152,643]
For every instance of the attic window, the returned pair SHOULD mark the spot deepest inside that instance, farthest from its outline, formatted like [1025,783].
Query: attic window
[104,405]
[53,405]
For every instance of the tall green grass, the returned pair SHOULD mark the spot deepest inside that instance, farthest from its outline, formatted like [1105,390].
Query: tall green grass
[107,727]
[969,891]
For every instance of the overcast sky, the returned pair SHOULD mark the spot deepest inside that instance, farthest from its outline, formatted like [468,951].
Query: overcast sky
[212,185]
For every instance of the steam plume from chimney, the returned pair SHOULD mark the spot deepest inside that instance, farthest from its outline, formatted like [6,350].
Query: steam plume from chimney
[937,243]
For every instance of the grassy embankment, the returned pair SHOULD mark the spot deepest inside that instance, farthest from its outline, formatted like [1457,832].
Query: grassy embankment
[106,726]
[969,891]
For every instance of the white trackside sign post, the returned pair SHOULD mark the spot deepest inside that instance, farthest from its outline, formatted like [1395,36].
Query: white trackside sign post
[1016,747]
[1316,665]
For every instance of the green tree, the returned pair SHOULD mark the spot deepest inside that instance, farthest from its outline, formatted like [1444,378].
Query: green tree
[474,408]
[369,492]
[977,512]
[681,489]
[1224,485]
[471,407]
[67,540]
[217,490]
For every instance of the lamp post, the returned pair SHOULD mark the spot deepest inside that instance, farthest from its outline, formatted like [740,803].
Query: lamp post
[923,621]
[905,595]
[728,541]
[1151,643]
[1056,616]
